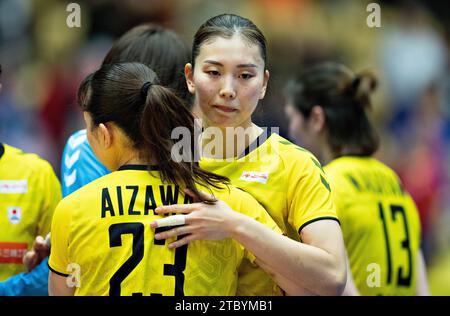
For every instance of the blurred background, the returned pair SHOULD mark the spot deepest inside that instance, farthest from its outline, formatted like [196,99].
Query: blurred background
[44,61]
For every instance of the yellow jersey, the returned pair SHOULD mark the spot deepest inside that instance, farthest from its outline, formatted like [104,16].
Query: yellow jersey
[380,225]
[101,237]
[29,192]
[287,180]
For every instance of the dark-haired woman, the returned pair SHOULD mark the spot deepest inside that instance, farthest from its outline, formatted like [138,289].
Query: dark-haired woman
[228,77]
[102,243]
[326,107]
[153,45]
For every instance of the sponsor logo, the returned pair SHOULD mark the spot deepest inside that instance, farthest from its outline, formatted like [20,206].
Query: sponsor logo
[13,186]
[255,176]
[12,252]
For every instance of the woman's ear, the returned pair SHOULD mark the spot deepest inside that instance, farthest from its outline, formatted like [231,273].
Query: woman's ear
[189,74]
[105,135]
[264,88]
[318,119]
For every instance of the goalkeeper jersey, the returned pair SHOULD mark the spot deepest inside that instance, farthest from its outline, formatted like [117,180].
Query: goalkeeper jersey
[29,192]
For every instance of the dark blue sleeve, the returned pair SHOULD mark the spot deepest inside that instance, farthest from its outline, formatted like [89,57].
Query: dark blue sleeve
[34,283]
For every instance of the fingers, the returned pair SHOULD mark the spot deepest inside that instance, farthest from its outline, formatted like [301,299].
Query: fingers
[182,242]
[39,240]
[41,247]
[186,208]
[174,220]
[29,260]
[174,232]
[39,243]
[178,208]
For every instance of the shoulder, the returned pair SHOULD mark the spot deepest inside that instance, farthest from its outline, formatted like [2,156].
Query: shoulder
[389,173]
[338,166]
[296,160]
[384,168]
[32,162]
[291,152]
[90,191]
[78,142]
[76,139]
[109,180]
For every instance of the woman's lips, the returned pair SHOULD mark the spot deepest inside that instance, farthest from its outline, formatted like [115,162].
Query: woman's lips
[226,109]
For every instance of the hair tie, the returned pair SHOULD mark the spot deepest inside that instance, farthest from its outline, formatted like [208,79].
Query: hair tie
[144,89]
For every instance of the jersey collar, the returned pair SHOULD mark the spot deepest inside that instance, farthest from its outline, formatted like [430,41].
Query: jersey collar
[140,167]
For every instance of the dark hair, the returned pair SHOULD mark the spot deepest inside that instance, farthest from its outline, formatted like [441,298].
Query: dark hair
[344,97]
[129,95]
[160,49]
[227,25]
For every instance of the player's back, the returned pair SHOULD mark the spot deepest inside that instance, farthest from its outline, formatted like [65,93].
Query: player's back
[106,225]
[380,225]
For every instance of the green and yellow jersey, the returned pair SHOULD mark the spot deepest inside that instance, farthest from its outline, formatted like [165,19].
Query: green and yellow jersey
[29,193]
[287,181]
[101,237]
[380,224]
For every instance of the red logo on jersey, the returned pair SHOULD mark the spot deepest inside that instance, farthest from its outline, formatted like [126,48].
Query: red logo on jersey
[12,252]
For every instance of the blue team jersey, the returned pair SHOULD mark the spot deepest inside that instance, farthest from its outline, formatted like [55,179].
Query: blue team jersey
[34,283]
[79,166]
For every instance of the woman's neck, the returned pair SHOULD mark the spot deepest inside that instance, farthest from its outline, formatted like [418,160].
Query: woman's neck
[132,157]
[228,142]
[326,155]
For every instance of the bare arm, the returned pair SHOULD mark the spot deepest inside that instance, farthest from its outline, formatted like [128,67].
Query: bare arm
[350,287]
[57,285]
[289,286]
[422,283]
[316,266]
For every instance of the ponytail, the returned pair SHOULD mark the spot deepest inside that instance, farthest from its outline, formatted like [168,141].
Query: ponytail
[362,86]
[163,112]
[129,94]
[344,98]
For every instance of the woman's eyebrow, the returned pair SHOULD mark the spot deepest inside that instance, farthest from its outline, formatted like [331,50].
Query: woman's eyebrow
[247,66]
[213,62]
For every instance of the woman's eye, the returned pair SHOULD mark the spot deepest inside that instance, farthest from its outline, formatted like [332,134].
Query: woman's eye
[213,73]
[246,76]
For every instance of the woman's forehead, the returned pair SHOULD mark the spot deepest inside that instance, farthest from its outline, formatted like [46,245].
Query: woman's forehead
[236,49]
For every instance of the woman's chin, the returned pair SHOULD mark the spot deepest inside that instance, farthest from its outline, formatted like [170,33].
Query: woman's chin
[222,121]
